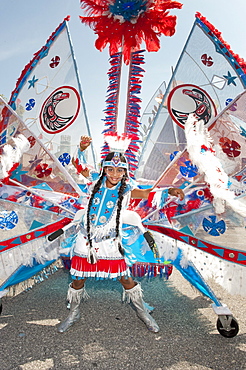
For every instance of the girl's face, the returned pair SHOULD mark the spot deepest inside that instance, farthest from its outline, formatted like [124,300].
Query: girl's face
[113,175]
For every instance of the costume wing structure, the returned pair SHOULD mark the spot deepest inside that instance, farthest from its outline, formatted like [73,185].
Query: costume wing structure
[38,132]
[207,79]
[37,195]
[205,231]
[208,75]
[209,226]
[26,162]
[24,248]
[48,97]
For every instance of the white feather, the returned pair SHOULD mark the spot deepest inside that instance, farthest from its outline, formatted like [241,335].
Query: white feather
[117,143]
[12,155]
[209,165]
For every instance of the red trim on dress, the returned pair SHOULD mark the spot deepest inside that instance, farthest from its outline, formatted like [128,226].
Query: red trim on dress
[108,266]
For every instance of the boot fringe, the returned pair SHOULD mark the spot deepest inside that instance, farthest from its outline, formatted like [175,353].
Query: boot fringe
[85,295]
[128,296]
[132,294]
[76,295]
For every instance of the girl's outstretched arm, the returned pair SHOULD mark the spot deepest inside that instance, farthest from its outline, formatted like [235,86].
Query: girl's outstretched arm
[144,193]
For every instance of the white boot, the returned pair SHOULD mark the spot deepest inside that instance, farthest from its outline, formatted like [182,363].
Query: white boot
[74,297]
[135,296]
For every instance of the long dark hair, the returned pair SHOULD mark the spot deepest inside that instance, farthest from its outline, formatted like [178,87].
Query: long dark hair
[121,190]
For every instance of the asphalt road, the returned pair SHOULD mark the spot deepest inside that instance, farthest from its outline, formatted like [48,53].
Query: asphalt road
[110,336]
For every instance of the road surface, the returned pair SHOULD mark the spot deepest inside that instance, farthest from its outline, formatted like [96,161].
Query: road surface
[109,335]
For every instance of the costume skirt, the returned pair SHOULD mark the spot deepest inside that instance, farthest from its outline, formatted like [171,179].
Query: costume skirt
[110,263]
[138,259]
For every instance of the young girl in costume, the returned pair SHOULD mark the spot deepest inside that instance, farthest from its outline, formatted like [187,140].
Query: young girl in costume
[98,250]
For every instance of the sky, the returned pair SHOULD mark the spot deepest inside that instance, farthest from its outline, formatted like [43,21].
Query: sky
[27,24]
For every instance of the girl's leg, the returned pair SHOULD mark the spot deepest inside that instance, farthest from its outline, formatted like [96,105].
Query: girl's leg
[76,292]
[127,283]
[133,291]
[78,283]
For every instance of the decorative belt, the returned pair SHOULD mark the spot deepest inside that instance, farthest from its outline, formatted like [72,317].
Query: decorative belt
[98,239]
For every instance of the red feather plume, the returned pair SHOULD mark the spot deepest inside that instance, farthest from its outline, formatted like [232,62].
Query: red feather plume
[118,32]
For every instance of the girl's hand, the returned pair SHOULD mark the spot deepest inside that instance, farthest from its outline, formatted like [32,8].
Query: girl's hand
[176,192]
[85,142]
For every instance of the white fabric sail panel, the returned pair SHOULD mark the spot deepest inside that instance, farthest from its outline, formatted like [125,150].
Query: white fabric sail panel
[205,80]
[48,97]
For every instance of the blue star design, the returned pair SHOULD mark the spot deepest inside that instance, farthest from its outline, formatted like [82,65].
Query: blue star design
[230,79]
[17,173]
[32,82]
[243,131]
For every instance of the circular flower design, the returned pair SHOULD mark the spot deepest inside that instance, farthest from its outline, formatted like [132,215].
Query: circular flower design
[64,158]
[189,170]
[127,23]
[214,227]
[43,170]
[32,141]
[233,107]
[8,220]
[173,155]
[55,61]
[207,60]
[31,104]
[230,147]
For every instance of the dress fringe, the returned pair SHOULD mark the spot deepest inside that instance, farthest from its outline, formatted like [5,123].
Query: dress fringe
[103,269]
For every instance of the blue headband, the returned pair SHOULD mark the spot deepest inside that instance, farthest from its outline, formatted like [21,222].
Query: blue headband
[115,162]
